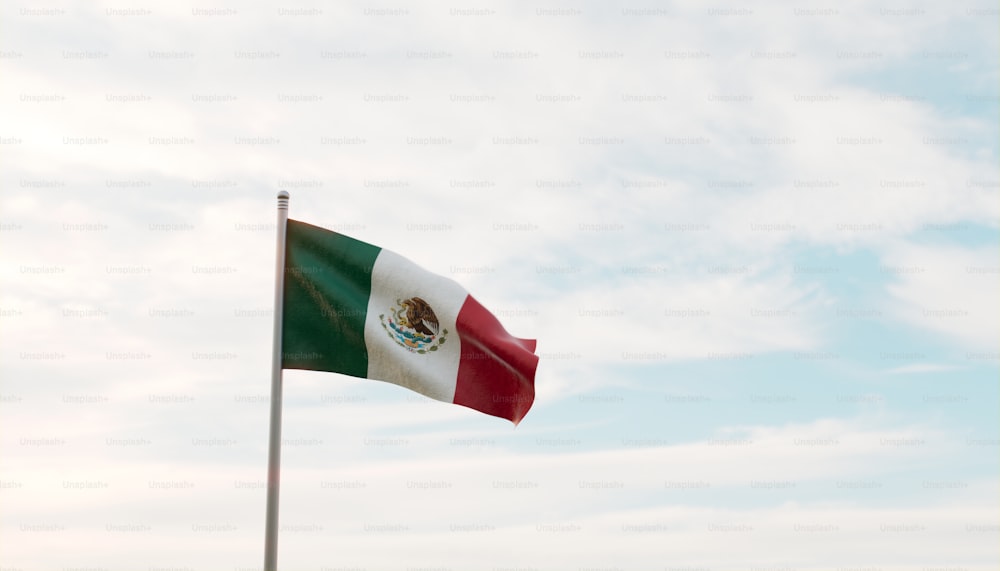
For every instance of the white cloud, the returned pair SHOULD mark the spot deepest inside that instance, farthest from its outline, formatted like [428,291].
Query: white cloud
[676,317]
[598,501]
[948,290]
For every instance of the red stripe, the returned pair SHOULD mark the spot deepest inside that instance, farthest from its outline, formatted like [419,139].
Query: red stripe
[496,374]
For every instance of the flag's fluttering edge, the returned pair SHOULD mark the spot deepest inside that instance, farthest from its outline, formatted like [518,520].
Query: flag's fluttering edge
[356,309]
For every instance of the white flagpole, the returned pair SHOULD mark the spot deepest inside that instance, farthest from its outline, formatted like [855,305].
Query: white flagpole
[274,443]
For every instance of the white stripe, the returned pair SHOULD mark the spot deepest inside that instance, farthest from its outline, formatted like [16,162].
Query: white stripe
[394,278]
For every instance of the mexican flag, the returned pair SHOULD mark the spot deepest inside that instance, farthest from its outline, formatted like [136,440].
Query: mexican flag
[356,309]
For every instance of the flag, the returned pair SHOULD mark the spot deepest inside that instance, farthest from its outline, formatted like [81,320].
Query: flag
[353,308]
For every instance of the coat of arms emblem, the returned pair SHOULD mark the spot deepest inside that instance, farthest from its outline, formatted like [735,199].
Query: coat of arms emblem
[413,325]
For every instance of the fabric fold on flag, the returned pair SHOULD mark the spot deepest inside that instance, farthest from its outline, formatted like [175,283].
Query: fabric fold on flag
[360,310]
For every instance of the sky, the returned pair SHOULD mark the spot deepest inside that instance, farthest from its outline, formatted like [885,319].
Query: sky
[757,245]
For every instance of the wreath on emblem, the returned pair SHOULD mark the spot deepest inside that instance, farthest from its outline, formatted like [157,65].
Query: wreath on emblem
[413,325]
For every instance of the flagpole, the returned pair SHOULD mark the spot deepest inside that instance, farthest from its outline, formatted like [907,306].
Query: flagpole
[274,442]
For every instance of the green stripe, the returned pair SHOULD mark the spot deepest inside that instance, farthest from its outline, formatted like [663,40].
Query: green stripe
[328,279]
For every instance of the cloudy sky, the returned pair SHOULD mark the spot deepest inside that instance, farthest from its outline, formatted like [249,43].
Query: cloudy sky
[758,246]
